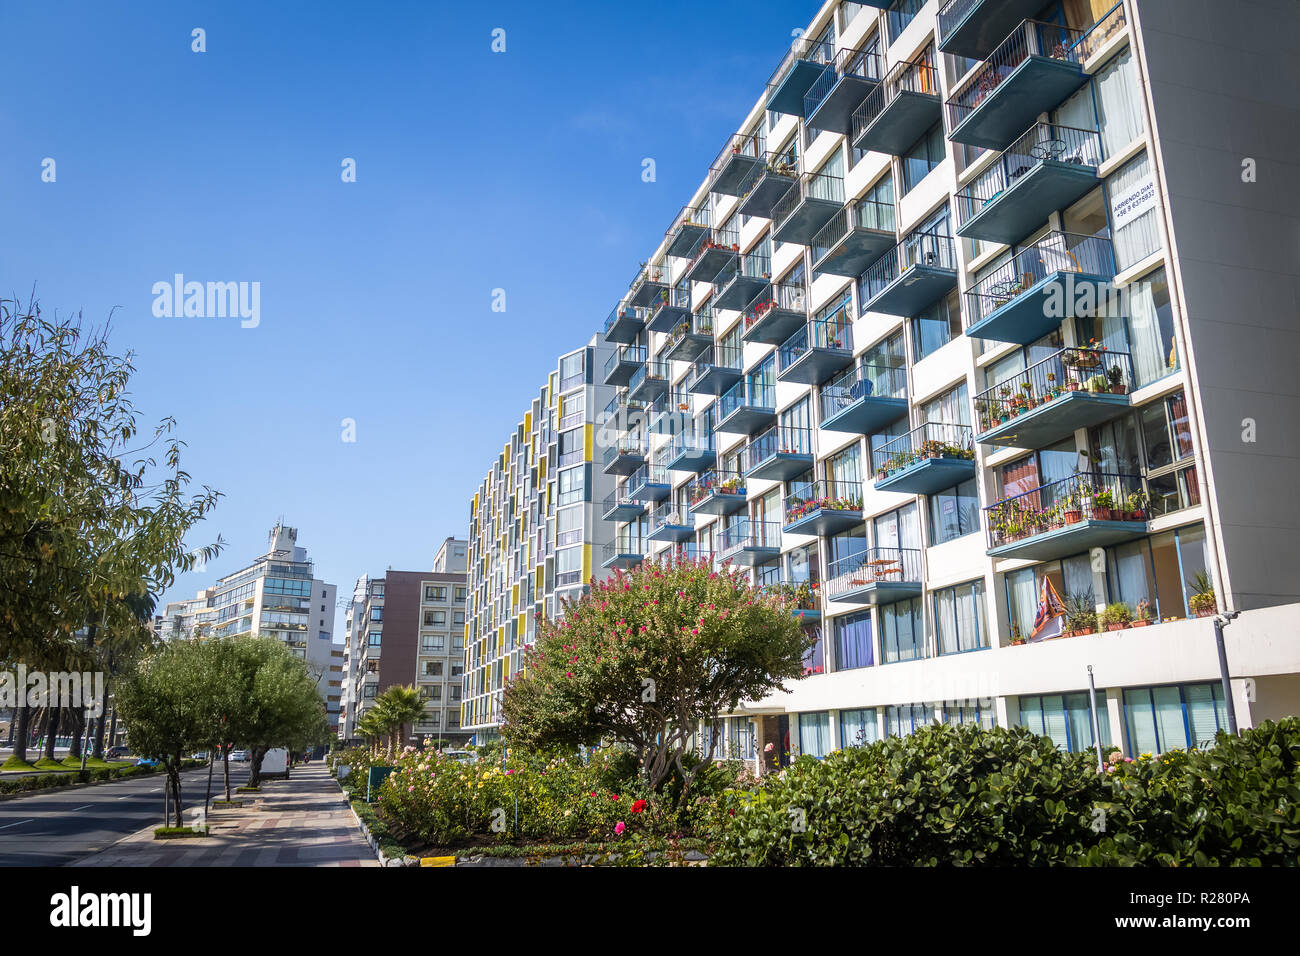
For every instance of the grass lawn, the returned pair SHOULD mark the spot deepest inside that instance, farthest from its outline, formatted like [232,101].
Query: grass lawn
[94,763]
[13,763]
[45,763]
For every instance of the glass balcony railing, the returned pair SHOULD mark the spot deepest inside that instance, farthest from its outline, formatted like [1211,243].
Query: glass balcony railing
[1031,72]
[825,506]
[874,576]
[668,308]
[929,458]
[689,226]
[650,281]
[622,553]
[1083,511]
[746,407]
[919,270]
[898,112]
[741,280]
[623,324]
[623,363]
[649,482]
[716,370]
[779,453]
[1046,169]
[649,382]
[669,523]
[618,506]
[691,451]
[864,399]
[1070,389]
[1011,304]
[750,542]
[717,491]
[690,338]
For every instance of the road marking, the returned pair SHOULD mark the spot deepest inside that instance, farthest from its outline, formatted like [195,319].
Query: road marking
[155,789]
[18,824]
[86,807]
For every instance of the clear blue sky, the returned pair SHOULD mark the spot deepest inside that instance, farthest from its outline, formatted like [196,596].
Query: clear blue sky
[475,171]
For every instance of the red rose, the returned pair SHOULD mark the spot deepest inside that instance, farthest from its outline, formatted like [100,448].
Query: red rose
[638,806]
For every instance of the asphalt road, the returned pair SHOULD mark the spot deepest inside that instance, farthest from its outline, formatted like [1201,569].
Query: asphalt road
[55,827]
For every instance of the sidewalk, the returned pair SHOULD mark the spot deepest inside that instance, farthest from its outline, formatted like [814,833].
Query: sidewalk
[302,821]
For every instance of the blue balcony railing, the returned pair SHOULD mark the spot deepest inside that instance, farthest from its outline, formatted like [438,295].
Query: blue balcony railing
[1090,509]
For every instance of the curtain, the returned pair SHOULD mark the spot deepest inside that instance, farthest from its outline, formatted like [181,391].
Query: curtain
[1206,712]
[858,728]
[815,734]
[1119,104]
[853,642]
[1022,600]
[1155,352]
[945,621]
[1140,237]
[1132,566]
[1171,732]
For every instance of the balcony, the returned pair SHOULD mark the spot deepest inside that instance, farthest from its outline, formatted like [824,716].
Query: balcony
[691,338]
[669,524]
[619,507]
[823,507]
[749,543]
[670,415]
[624,458]
[747,275]
[1070,389]
[920,271]
[623,324]
[1060,276]
[801,598]
[716,492]
[745,408]
[623,364]
[648,483]
[715,371]
[854,238]
[973,28]
[929,458]
[768,181]
[1031,72]
[898,111]
[778,454]
[817,351]
[864,400]
[1073,515]
[805,61]
[736,162]
[692,452]
[807,207]
[622,554]
[646,288]
[776,314]
[649,383]
[1046,169]
[713,254]
[689,228]
[875,576]
[833,96]
[670,308]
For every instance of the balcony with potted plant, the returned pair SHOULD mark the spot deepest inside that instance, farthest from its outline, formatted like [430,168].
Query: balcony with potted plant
[775,313]
[737,158]
[768,181]
[875,576]
[818,350]
[623,324]
[651,279]
[929,458]
[669,307]
[716,492]
[650,382]
[1060,276]
[801,598]
[1066,517]
[712,254]
[864,399]
[1076,387]
[689,227]
[626,456]
[690,338]
[822,507]
[1031,71]
[746,276]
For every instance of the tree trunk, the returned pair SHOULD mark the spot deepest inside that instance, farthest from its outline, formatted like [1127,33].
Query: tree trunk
[78,731]
[21,726]
[112,728]
[98,750]
[51,728]
[255,766]
[174,781]
[225,769]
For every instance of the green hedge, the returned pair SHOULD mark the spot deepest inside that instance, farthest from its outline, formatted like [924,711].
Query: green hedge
[951,796]
[46,781]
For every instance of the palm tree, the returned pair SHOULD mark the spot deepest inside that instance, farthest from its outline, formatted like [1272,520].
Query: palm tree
[371,726]
[398,706]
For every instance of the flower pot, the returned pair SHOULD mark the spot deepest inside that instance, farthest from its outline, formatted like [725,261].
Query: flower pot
[1117,389]
[1207,612]
[1072,386]
[1071,517]
[1100,513]
[1139,624]
[1116,627]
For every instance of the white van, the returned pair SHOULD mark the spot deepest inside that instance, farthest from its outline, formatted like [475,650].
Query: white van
[276,763]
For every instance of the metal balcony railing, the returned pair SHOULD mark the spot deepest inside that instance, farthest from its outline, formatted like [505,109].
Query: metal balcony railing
[622,545]
[1041,143]
[861,63]
[908,76]
[786,296]
[752,144]
[701,216]
[817,186]
[863,214]
[1055,252]
[1031,38]
[1083,497]
[859,382]
[715,481]
[655,369]
[952,13]
[622,311]
[824,494]
[652,274]
[718,356]
[1107,25]
[1091,369]
[920,248]
[930,440]
[803,48]
[777,440]
[690,441]
[749,533]
[872,566]
[834,331]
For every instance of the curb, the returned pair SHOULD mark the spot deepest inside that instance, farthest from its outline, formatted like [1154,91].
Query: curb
[370,838]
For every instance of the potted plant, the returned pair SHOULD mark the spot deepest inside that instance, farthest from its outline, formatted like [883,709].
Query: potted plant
[1116,377]
[1142,614]
[1072,513]
[1016,636]
[1117,616]
[1052,390]
[1103,503]
[1137,505]
[1203,600]
[1080,613]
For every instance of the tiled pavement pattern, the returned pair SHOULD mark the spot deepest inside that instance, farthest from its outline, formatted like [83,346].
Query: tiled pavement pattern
[302,821]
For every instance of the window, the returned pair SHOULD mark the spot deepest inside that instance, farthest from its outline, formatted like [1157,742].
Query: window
[432,692]
[858,727]
[460,595]
[936,326]
[1070,576]
[954,512]
[1119,104]
[433,668]
[925,154]
[568,567]
[815,734]
[959,618]
[572,486]
[814,659]
[1067,719]
[1133,204]
[435,618]
[900,14]
[1151,329]
[1176,717]
[568,527]
[570,450]
[435,593]
[433,643]
[900,721]
[374,638]
[853,643]
[571,371]
[376,614]
[902,635]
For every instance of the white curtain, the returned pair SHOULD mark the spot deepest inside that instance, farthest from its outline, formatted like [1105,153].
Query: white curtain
[1137,239]
[1150,352]
[1118,103]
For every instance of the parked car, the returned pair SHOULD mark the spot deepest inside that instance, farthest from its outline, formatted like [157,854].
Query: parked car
[201,755]
[117,753]
[462,756]
[239,756]
[147,762]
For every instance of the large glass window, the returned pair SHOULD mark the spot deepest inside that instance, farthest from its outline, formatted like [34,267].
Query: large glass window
[571,371]
[853,644]
[1151,327]
[1067,719]
[902,633]
[815,734]
[572,484]
[858,727]
[1176,717]
[925,155]
[959,618]
[900,721]
[936,326]
[1071,577]
[1119,103]
[1133,206]
[954,512]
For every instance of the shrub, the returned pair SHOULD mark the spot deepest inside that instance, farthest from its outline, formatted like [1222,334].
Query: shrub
[1117,613]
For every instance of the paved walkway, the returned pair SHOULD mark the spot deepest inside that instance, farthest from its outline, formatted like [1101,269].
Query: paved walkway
[302,821]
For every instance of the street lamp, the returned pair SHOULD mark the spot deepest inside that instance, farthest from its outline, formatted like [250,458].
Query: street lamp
[1220,622]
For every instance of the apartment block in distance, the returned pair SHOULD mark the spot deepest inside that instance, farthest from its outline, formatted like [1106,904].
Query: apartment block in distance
[535,535]
[410,630]
[983,304]
[276,596]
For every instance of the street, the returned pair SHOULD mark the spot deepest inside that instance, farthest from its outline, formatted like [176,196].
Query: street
[55,827]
